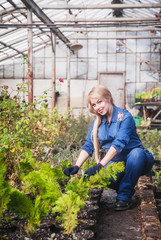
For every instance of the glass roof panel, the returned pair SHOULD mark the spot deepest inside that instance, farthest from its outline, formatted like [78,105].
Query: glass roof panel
[14,13]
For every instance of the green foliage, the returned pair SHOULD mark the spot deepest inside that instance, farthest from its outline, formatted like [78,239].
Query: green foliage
[90,162]
[64,165]
[20,203]
[33,130]
[24,207]
[77,128]
[68,206]
[42,183]
[38,211]
[102,178]
[4,188]
[151,140]
[158,178]
[79,186]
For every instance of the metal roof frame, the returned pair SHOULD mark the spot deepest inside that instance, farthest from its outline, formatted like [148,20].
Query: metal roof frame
[66,19]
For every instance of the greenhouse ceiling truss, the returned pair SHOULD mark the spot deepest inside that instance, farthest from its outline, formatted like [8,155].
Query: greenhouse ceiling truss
[71,20]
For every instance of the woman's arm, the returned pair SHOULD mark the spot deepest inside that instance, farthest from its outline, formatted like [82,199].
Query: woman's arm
[109,155]
[82,158]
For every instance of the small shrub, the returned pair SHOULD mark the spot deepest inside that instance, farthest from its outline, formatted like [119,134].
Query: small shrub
[68,206]
[5,188]
[158,178]
[43,184]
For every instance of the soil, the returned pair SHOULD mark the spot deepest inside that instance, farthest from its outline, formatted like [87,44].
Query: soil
[120,225]
[140,222]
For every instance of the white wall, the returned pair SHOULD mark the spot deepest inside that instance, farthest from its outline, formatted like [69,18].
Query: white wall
[95,56]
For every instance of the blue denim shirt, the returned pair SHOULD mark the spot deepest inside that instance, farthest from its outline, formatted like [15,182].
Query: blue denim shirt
[120,133]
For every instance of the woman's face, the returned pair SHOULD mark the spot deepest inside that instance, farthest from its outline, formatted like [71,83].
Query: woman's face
[101,106]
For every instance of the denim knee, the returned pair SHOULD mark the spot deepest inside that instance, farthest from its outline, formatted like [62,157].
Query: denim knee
[140,158]
[136,157]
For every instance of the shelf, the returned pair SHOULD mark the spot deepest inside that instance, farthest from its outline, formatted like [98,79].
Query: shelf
[149,104]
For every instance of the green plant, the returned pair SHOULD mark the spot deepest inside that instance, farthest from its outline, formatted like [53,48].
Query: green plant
[42,183]
[29,133]
[5,188]
[158,178]
[20,203]
[151,140]
[79,186]
[68,206]
[89,163]
[32,210]
[39,210]
[102,178]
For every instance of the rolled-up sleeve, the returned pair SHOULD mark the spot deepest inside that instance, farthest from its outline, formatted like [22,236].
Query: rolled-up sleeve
[124,133]
[88,146]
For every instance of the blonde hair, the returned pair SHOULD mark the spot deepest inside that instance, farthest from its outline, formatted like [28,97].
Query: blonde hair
[99,92]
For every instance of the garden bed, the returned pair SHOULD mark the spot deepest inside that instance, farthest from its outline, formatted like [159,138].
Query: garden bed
[50,229]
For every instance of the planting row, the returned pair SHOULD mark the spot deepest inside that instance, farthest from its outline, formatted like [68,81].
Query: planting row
[47,195]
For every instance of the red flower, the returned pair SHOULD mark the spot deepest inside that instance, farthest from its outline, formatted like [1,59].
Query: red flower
[5,86]
[15,96]
[61,80]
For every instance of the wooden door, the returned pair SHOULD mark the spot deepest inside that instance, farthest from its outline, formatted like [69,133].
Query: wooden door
[115,82]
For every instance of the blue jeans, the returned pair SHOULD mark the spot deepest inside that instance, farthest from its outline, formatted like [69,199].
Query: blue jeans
[138,162]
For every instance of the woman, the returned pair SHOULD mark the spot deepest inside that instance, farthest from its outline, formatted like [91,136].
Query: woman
[114,130]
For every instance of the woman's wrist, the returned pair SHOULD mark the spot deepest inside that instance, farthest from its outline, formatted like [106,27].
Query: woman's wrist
[77,165]
[101,164]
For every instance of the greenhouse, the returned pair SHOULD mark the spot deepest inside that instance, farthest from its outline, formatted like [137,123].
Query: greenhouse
[80,106]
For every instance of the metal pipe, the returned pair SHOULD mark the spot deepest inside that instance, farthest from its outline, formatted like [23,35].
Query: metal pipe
[113,37]
[53,43]
[30,4]
[103,6]
[68,78]
[30,59]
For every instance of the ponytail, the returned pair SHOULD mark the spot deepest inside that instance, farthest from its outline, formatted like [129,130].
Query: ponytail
[95,137]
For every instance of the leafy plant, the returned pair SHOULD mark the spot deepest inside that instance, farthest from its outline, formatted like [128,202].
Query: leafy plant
[79,186]
[102,178]
[158,178]
[68,206]
[89,163]
[42,183]
[39,210]
[32,210]
[5,188]
[20,203]
[151,140]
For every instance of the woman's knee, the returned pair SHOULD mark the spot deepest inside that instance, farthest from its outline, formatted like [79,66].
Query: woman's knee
[140,158]
[136,155]
[136,158]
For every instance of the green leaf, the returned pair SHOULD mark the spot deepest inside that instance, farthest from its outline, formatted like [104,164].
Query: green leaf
[5,130]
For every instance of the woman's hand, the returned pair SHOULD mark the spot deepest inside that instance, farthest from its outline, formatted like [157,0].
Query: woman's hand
[71,170]
[92,170]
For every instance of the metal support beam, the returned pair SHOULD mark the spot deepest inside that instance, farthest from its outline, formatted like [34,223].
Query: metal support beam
[68,78]
[30,4]
[113,37]
[107,20]
[110,29]
[102,6]
[10,46]
[141,59]
[30,59]
[53,43]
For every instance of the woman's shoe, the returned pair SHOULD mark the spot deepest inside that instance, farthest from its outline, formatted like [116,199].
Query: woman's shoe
[121,205]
